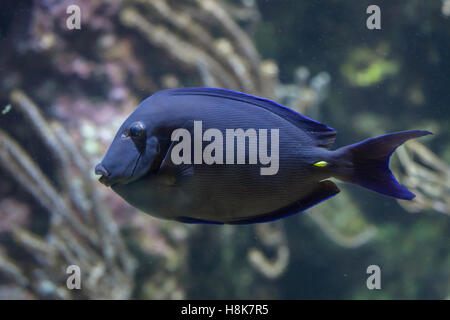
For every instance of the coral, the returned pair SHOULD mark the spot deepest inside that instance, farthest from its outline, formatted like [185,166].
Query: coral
[421,171]
[82,231]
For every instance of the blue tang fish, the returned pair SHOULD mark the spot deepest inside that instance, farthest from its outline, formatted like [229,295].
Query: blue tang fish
[142,164]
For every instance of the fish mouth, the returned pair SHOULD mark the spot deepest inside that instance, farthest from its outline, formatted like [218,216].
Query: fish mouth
[104,180]
[101,170]
[107,180]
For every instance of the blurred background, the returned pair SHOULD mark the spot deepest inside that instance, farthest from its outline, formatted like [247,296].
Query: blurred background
[64,93]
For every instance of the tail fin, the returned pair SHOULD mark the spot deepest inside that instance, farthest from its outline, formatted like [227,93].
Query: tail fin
[370,163]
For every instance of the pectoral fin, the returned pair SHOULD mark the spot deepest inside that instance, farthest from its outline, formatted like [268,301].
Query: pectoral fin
[174,173]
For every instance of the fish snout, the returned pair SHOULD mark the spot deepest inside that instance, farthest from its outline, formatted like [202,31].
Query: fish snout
[101,170]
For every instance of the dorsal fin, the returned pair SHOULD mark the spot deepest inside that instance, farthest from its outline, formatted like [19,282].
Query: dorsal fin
[323,135]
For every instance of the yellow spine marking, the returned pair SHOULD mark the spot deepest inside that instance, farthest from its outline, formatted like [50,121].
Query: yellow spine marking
[321,164]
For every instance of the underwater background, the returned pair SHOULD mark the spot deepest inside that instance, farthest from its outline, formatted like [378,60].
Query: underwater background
[64,92]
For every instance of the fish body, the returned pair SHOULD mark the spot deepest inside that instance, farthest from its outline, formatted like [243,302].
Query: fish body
[140,167]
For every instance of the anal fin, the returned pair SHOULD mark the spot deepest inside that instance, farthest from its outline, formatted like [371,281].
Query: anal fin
[193,220]
[323,191]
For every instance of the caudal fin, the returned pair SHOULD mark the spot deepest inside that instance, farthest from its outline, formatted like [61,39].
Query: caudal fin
[369,163]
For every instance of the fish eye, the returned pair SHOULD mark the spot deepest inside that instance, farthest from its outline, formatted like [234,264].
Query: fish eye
[137,129]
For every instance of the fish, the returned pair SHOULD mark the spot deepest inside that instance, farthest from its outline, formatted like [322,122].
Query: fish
[142,164]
